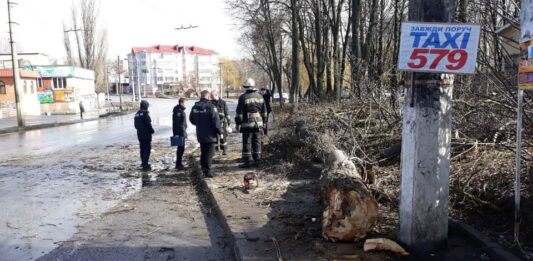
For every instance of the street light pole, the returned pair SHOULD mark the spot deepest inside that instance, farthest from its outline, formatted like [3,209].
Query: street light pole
[119,85]
[220,79]
[16,73]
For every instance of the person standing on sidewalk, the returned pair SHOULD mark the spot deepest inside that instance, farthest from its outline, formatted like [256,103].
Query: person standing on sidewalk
[204,116]
[223,114]
[267,96]
[250,119]
[82,109]
[143,124]
[179,129]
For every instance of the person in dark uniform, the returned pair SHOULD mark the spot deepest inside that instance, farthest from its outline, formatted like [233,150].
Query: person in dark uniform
[205,117]
[250,120]
[143,124]
[223,114]
[179,129]
[267,96]
[82,109]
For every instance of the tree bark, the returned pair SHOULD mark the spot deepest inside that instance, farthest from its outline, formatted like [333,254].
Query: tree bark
[349,209]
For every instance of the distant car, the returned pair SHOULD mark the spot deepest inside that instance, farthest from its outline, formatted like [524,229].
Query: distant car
[275,97]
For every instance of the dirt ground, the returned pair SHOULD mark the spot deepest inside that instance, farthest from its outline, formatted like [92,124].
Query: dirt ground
[281,218]
[481,176]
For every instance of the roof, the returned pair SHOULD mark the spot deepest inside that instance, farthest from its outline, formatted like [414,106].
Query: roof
[4,73]
[173,49]
[201,51]
[158,49]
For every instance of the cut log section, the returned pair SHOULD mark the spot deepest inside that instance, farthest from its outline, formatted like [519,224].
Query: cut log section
[349,209]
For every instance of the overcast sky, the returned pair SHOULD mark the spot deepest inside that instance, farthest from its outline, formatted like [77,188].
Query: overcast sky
[129,23]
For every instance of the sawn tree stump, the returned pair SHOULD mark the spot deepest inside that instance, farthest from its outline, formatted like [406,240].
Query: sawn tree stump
[349,209]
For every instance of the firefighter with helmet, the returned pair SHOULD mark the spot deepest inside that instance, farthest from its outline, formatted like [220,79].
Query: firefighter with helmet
[251,118]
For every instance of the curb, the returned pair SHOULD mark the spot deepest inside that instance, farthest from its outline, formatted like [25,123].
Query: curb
[223,222]
[57,124]
[495,251]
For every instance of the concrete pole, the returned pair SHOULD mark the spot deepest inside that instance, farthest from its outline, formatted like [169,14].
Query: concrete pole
[426,138]
[138,81]
[119,85]
[132,75]
[220,79]
[16,72]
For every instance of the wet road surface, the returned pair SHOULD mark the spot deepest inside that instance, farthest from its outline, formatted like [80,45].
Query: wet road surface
[56,182]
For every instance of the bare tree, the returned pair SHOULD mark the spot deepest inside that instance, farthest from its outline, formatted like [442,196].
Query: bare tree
[90,47]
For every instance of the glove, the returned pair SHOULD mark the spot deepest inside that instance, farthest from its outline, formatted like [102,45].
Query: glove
[221,136]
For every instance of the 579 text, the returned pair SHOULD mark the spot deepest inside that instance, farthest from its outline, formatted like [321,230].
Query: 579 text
[454,59]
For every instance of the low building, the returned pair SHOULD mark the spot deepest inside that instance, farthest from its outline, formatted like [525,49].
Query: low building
[61,88]
[28,93]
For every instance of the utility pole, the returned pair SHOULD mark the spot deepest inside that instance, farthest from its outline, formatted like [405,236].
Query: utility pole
[14,61]
[220,79]
[426,139]
[197,74]
[107,81]
[119,85]
[132,75]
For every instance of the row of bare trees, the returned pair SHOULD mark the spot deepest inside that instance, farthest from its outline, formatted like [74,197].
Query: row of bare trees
[323,50]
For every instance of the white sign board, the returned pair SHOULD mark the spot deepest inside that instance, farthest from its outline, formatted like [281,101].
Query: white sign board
[445,48]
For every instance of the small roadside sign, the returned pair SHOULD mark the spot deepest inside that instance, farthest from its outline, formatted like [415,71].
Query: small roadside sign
[436,47]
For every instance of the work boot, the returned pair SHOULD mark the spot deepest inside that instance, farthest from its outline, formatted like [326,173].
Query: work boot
[180,167]
[224,151]
[246,165]
[256,164]
[147,167]
[208,173]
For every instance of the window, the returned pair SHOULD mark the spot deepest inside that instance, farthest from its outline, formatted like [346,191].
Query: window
[25,87]
[32,86]
[59,83]
[40,82]
[2,88]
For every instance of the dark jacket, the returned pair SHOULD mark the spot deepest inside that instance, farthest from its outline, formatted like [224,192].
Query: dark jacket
[82,108]
[204,116]
[223,111]
[267,96]
[251,103]
[179,121]
[143,123]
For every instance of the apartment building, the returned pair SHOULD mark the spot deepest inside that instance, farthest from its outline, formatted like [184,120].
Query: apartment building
[161,67]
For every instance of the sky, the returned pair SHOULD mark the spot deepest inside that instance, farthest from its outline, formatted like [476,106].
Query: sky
[129,23]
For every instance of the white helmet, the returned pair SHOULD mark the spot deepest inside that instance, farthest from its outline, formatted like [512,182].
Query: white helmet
[248,83]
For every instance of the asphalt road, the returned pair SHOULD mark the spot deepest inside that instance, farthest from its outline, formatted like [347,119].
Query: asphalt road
[92,134]
[55,180]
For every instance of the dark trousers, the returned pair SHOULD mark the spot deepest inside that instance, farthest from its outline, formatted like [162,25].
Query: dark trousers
[251,146]
[207,150]
[179,155]
[81,115]
[265,130]
[146,147]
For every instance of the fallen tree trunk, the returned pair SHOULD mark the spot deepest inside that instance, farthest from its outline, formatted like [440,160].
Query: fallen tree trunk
[349,209]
